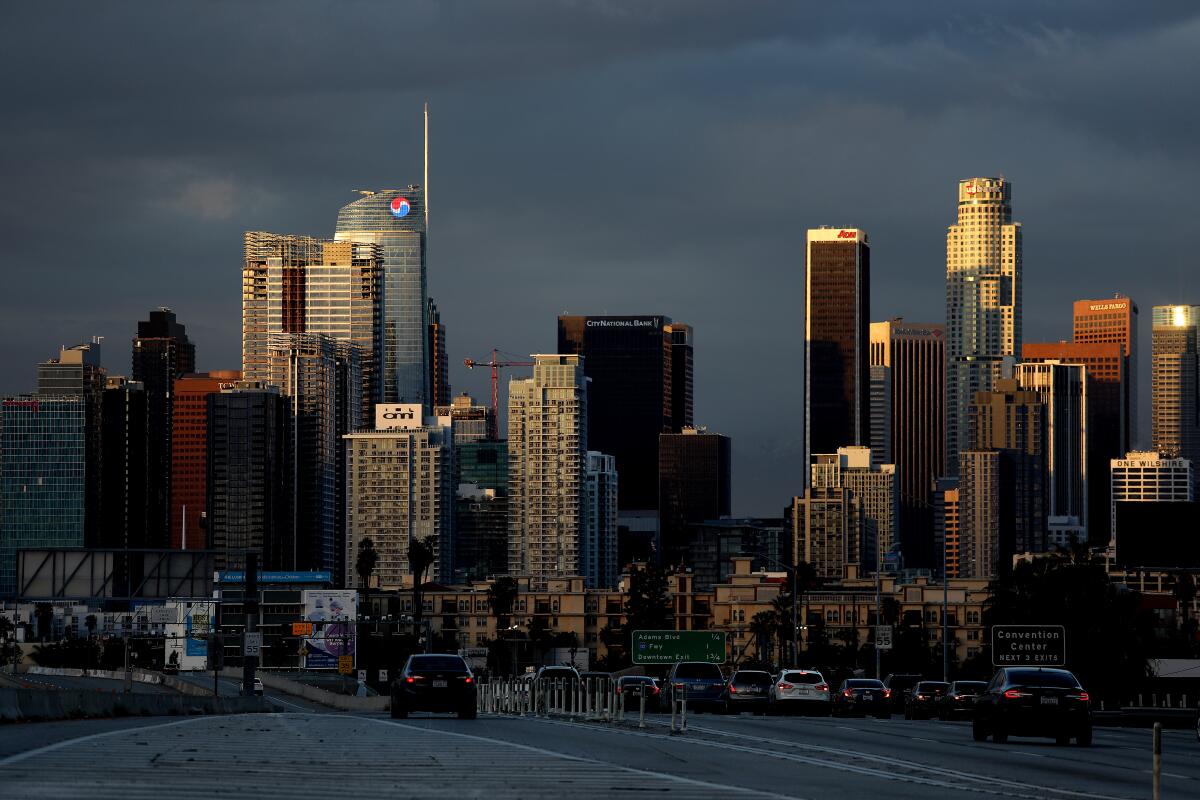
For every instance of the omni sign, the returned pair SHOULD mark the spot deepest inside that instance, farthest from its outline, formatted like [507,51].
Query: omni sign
[402,415]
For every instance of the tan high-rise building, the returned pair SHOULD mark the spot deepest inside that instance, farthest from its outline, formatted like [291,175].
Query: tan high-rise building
[983,300]
[547,458]
[827,527]
[297,284]
[399,489]
[983,541]
[908,373]
[1175,381]
[1113,321]
[946,525]
[874,487]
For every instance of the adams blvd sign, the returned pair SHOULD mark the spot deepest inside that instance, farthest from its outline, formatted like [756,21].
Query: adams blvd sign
[667,647]
[1029,646]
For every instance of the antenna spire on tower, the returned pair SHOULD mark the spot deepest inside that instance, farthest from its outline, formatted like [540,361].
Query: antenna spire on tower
[427,166]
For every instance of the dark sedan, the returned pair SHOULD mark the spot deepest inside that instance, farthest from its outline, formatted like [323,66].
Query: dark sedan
[1026,701]
[860,697]
[632,688]
[959,700]
[434,683]
[922,700]
[748,690]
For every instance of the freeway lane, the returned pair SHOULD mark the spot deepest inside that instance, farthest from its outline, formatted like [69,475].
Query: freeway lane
[319,755]
[102,684]
[232,688]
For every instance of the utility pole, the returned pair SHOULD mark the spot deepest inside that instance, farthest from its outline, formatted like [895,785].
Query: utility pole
[250,606]
[945,607]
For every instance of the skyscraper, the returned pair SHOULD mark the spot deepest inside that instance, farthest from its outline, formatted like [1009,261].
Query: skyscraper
[320,377]
[439,359]
[946,527]
[1149,478]
[1012,422]
[44,478]
[124,481]
[249,483]
[826,528]
[874,488]
[1063,388]
[1107,389]
[297,284]
[837,297]
[189,455]
[985,515]
[632,365]
[399,490]
[547,452]
[598,544]
[694,486]
[1113,321]
[161,353]
[983,300]
[1175,381]
[395,220]
[908,368]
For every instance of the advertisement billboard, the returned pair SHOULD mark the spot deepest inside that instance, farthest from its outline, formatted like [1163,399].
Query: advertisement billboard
[332,613]
[189,625]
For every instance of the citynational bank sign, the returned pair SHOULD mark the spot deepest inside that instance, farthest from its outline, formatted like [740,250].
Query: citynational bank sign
[397,416]
[649,323]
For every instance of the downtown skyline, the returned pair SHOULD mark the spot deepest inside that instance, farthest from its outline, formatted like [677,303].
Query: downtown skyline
[515,242]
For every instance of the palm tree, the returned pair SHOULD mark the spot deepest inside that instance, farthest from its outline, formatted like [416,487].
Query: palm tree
[368,557]
[420,559]
[763,625]
[1185,594]
[501,595]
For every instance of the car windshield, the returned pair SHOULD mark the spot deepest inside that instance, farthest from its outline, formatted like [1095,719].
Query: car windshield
[691,670]
[969,687]
[863,683]
[437,664]
[931,686]
[1038,677]
[752,679]
[802,677]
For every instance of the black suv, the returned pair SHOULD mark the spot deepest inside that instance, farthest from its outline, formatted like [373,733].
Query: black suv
[434,683]
[900,684]
[1027,701]
[923,699]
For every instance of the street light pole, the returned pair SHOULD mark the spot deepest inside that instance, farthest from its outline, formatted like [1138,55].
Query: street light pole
[795,626]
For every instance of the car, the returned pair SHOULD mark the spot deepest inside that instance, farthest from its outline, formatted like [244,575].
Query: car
[900,684]
[1032,701]
[701,683]
[862,696]
[632,688]
[600,681]
[557,673]
[258,687]
[748,690]
[439,683]
[800,690]
[922,700]
[959,700]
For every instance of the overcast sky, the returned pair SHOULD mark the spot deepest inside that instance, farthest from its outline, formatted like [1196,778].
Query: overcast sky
[594,157]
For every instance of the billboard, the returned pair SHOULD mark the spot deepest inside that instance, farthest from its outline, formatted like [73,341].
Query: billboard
[332,613]
[399,416]
[188,629]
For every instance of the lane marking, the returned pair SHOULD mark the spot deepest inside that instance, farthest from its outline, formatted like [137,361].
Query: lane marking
[50,748]
[606,764]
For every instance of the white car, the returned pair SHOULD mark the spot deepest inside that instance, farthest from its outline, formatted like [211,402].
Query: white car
[800,690]
[258,686]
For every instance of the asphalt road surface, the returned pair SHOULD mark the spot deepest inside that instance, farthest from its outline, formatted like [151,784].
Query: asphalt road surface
[298,755]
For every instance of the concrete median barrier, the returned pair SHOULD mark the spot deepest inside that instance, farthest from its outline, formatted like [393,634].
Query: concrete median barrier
[18,705]
[341,702]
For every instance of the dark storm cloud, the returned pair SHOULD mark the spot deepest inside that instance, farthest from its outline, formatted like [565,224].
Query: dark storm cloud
[591,157]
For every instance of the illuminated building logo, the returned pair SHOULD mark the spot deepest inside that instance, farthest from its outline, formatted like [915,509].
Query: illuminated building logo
[847,234]
[400,207]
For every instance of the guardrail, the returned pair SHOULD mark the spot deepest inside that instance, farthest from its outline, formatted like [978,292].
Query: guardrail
[591,700]
[39,704]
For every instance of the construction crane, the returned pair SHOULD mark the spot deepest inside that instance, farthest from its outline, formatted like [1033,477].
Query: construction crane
[495,364]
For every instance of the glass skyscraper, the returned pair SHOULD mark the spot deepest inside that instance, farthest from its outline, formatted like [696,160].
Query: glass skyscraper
[394,219]
[44,477]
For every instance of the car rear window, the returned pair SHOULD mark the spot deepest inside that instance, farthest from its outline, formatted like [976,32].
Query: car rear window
[1037,677]
[802,677]
[864,683]
[693,670]
[636,679]
[969,687]
[752,679]
[439,663]
[932,686]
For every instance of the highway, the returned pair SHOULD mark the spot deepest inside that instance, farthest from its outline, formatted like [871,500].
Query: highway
[229,687]
[30,680]
[299,754]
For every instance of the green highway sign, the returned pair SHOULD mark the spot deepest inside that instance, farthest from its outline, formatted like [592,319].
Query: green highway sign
[667,647]
[1029,646]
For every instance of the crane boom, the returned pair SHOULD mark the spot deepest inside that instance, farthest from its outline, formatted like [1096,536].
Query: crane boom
[496,364]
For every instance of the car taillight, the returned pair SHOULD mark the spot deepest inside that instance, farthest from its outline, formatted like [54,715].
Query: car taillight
[409,679]
[732,689]
[618,690]
[1081,696]
[922,697]
[887,693]
[1016,694]
[785,686]
[824,687]
[848,693]
[468,680]
[654,689]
